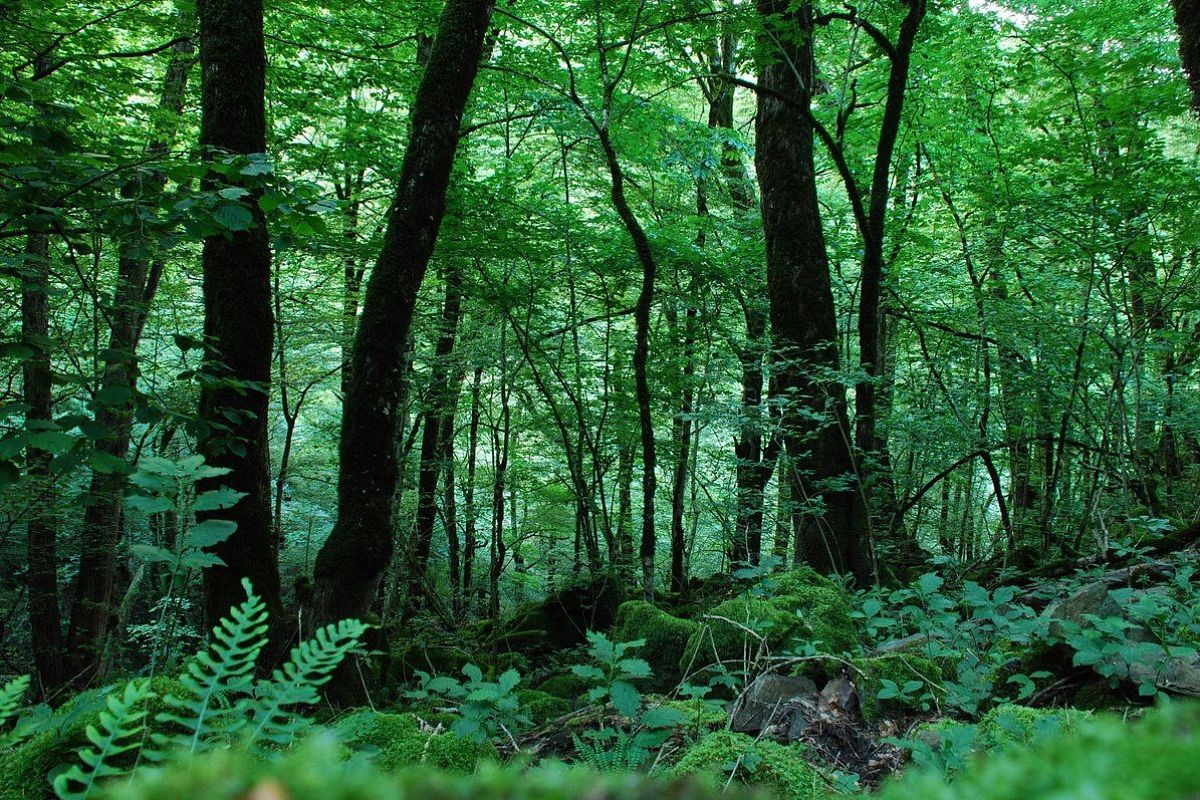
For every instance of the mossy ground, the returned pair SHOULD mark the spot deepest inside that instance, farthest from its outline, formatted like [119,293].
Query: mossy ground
[393,741]
[779,768]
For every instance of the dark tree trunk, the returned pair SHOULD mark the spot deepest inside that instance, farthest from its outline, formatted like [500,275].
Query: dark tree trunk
[683,440]
[1187,17]
[359,549]
[470,535]
[45,622]
[439,422]
[803,318]
[137,282]
[238,319]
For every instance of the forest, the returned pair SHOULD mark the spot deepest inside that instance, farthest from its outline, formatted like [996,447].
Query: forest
[462,399]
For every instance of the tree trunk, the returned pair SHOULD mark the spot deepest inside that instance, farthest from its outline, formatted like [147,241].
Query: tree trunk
[803,318]
[238,319]
[439,420]
[45,622]
[137,283]
[359,548]
[1187,17]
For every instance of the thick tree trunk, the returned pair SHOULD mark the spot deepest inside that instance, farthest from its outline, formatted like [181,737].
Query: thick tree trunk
[238,318]
[1187,17]
[358,550]
[137,283]
[45,622]
[803,318]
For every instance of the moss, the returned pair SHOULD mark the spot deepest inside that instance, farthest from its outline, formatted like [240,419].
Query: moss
[795,580]
[393,741]
[780,768]
[1105,759]
[666,638]
[1012,724]
[699,713]
[317,772]
[568,686]
[27,768]
[825,612]
[726,638]
[900,668]
[542,706]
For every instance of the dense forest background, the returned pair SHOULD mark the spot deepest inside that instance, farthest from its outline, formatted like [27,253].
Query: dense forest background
[428,314]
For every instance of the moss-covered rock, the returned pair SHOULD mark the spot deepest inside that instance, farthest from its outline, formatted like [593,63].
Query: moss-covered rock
[902,669]
[796,580]
[666,638]
[26,770]
[1105,759]
[825,614]
[782,769]
[568,686]
[1013,724]
[317,772]
[393,741]
[563,618]
[542,706]
[733,631]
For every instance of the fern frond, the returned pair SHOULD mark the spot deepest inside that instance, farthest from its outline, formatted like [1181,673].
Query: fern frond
[311,666]
[120,730]
[11,695]
[214,679]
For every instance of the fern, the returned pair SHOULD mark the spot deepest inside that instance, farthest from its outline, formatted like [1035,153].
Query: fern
[311,666]
[120,731]
[11,695]
[611,750]
[215,678]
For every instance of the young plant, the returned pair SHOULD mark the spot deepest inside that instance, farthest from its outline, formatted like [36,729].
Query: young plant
[485,709]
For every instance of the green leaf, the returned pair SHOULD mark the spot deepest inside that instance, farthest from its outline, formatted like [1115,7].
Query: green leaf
[210,532]
[233,217]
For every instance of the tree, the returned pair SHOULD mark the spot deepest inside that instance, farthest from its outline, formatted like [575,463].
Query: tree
[238,317]
[359,549]
[1187,17]
[803,320]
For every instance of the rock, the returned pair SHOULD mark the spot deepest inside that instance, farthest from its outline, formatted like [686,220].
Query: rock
[1091,599]
[839,698]
[767,700]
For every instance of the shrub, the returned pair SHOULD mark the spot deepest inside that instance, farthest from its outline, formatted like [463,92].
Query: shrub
[778,767]
[666,639]
[1106,759]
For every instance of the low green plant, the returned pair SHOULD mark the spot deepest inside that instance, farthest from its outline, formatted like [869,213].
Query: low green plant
[628,741]
[218,703]
[483,709]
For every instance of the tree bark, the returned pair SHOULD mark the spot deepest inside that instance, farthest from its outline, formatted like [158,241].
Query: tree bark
[359,548]
[439,424]
[238,318]
[803,317]
[137,283]
[1187,18]
[45,621]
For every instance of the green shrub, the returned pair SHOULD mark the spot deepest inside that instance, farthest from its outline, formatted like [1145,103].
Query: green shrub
[542,706]
[393,741]
[777,767]
[1105,759]
[896,682]
[666,638]
[317,772]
